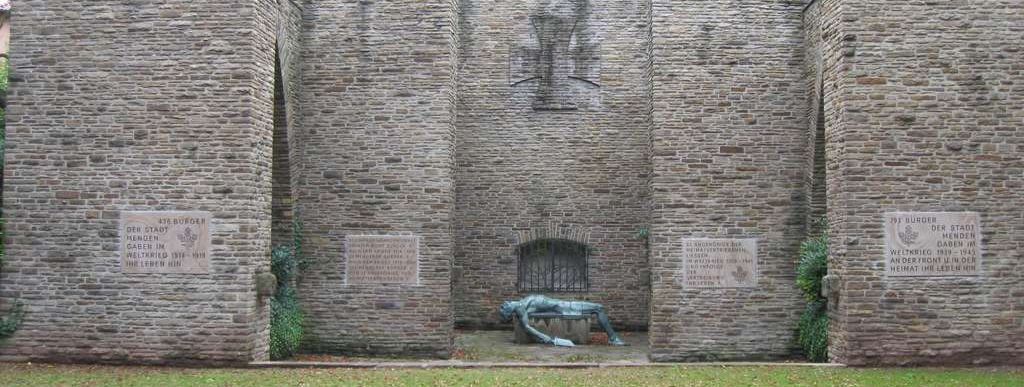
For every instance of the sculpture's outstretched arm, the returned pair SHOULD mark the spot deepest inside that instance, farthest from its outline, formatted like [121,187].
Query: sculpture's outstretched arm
[524,321]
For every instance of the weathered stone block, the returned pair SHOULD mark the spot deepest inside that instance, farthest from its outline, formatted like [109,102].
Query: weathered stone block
[572,328]
[266,284]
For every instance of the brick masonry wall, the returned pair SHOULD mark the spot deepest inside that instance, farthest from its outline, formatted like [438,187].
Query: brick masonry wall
[281,201]
[815,184]
[729,160]
[521,169]
[143,105]
[925,114]
[286,125]
[377,157]
[823,19]
[703,123]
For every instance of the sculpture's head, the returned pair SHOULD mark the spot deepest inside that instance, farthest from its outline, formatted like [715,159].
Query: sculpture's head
[508,308]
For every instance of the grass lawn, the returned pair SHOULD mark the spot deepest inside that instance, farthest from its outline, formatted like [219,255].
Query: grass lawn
[48,375]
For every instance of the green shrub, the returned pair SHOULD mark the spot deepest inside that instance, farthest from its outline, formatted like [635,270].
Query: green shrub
[285,324]
[285,314]
[283,265]
[814,332]
[12,322]
[813,327]
[813,266]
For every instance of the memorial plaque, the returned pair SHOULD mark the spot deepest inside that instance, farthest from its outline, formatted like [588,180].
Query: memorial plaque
[379,259]
[165,242]
[719,263]
[932,244]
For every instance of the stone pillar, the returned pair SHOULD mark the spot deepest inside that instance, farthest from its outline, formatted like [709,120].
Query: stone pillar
[378,137]
[728,164]
[924,116]
[138,106]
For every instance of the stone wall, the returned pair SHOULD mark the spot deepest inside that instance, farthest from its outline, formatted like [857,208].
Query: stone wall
[137,106]
[287,117]
[377,158]
[925,114]
[815,181]
[281,202]
[288,34]
[584,120]
[729,161]
[576,160]
[823,20]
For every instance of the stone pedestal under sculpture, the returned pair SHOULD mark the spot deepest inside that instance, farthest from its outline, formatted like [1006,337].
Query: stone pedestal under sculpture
[572,328]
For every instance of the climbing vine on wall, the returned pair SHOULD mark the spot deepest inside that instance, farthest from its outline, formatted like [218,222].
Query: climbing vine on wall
[286,316]
[813,327]
[10,323]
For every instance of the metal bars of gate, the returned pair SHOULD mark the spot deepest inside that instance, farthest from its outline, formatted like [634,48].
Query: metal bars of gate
[553,265]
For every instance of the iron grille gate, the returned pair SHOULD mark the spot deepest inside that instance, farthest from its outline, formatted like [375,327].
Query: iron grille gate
[553,265]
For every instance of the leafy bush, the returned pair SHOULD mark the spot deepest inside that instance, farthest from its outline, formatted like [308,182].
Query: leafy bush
[286,316]
[284,265]
[12,322]
[813,266]
[813,330]
[285,324]
[813,327]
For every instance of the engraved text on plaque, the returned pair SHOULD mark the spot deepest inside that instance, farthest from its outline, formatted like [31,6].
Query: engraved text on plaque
[165,242]
[932,244]
[379,259]
[719,263]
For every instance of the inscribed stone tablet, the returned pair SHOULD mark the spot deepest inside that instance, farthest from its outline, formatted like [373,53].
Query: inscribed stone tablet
[165,242]
[923,244]
[374,260]
[719,263]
